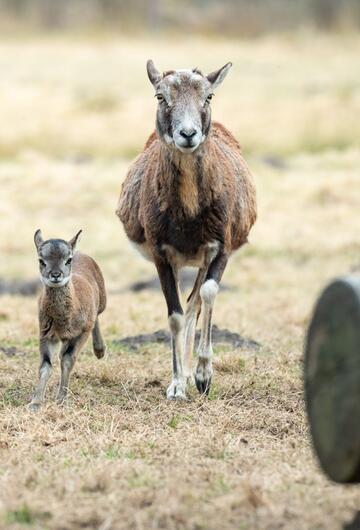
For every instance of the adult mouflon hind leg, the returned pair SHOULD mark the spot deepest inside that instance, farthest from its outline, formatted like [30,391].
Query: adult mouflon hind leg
[191,316]
[194,307]
[208,292]
[204,371]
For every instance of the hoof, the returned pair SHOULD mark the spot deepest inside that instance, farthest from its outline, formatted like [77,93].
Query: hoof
[203,386]
[61,398]
[34,406]
[176,390]
[203,376]
[100,353]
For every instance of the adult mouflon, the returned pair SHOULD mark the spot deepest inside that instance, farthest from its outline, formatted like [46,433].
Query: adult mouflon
[73,296]
[188,200]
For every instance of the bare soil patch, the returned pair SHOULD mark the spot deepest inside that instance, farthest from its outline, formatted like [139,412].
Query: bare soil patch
[219,336]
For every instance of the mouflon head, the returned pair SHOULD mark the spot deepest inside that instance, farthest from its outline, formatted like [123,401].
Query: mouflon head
[55,258]
[183,116]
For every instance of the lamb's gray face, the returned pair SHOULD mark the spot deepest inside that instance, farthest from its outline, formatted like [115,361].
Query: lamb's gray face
[184,116]
[55,258]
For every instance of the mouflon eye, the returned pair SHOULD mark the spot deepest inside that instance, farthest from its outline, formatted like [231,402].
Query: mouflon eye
[42,262]
[68,262]
[160,97]
[209,98]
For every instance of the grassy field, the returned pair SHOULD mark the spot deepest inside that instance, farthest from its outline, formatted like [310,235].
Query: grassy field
[119,456]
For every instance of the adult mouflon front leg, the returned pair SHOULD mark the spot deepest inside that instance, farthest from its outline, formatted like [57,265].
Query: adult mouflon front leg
[177,387]
[208,292]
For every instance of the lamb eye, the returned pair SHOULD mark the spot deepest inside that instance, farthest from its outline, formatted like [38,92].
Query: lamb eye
[68,262]
[42,262]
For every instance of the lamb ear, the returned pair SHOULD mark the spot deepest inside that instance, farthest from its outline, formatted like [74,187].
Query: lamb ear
[74,240]
[153,73]
[217,77]
[38,239]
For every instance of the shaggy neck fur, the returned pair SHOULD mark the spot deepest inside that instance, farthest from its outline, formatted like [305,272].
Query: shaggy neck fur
[59,300]
[187,177]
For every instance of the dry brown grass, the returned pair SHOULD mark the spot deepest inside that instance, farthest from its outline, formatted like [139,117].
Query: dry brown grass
[120,455]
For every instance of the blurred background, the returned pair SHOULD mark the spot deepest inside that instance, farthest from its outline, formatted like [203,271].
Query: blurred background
[76,105]
[228,17]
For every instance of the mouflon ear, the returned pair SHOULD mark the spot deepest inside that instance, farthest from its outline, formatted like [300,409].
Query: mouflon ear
[217,77]
[153,73]
[74,240]
[38,239]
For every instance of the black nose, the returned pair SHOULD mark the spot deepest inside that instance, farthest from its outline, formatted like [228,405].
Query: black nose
[187,133]
[55,275]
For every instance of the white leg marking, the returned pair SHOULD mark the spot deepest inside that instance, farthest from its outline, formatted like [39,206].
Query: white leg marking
[177,388]
[208,292]
[204,371]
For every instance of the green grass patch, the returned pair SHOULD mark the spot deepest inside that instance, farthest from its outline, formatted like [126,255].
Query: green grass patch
[31,342]
[22,516]
[112,453]
[174,422]
[176,419]
[214,393]
[25,516]
[221,487]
